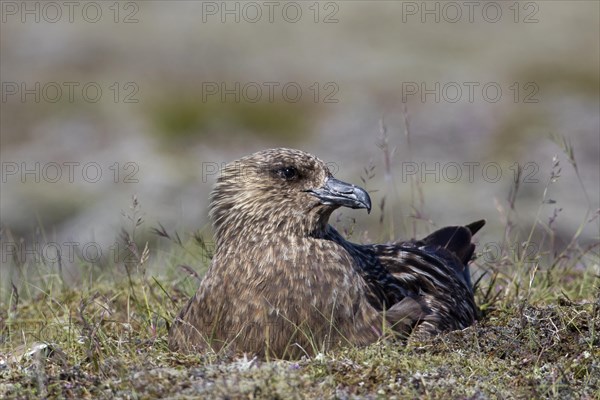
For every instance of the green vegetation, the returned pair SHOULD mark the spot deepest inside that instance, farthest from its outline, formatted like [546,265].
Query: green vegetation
[185,116]
[105,337]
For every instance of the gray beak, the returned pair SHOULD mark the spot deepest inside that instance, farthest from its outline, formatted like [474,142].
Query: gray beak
[335,192]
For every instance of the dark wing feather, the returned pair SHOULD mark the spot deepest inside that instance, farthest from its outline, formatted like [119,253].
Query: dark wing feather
[423,283]
[457,241]
[474,227]
[406,314]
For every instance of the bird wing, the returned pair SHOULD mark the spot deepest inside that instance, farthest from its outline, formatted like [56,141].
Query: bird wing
[424,282]
[453,243]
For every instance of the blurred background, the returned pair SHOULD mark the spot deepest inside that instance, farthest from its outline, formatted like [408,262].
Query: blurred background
[432,106]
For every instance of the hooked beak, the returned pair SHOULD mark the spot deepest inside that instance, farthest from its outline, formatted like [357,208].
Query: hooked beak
[335,192]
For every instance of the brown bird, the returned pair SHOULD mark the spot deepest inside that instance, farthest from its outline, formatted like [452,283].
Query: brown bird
[283,282]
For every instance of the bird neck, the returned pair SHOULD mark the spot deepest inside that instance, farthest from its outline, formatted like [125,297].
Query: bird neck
[281,256]
[242,228]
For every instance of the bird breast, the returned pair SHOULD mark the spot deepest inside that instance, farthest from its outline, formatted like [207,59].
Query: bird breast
[295,274]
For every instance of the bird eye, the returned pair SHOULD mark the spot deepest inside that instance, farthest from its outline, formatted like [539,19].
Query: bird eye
[288,173]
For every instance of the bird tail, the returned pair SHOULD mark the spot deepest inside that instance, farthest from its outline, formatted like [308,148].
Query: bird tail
[474,227]
[457,241]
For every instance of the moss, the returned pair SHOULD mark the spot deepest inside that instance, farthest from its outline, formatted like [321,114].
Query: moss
[104,343]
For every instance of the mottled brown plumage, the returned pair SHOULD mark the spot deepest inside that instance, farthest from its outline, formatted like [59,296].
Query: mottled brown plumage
[283,282]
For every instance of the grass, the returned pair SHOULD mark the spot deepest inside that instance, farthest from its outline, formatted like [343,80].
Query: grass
[105,336]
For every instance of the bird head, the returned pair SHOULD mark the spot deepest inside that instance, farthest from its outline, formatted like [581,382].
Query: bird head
[281,188]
